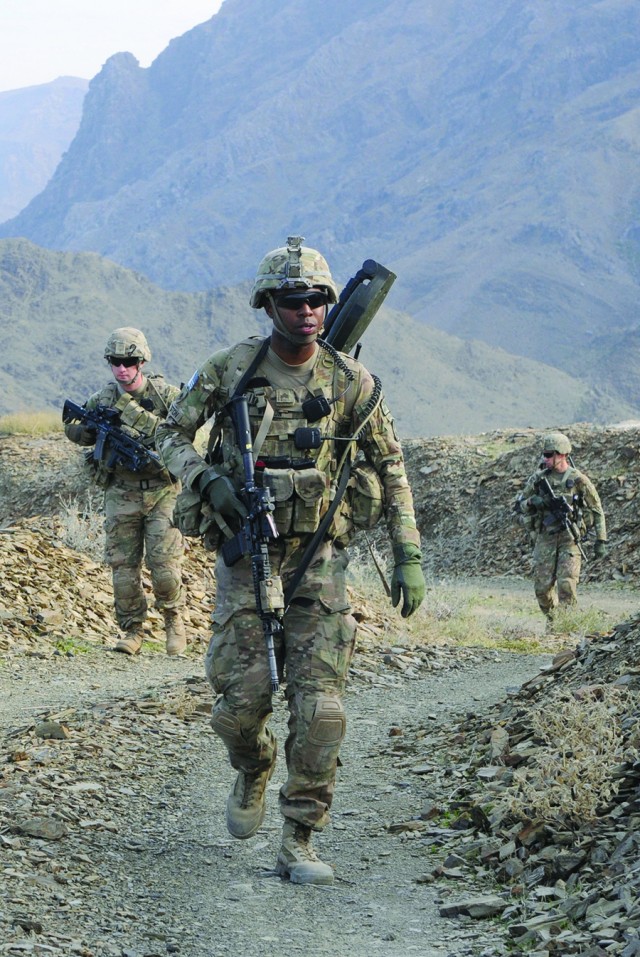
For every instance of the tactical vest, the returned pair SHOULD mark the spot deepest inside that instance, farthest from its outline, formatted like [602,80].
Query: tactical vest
[138,422]
[302,481]
[569,485]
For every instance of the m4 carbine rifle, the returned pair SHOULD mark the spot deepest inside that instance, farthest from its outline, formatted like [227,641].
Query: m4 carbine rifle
[253,538]
[113,445]
[561,511]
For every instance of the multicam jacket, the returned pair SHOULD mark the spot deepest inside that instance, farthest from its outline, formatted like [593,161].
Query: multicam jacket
[140,414]
[572,485]
[302,479]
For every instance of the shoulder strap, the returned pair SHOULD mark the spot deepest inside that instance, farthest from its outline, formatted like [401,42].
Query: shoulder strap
[231,368]
[251,368]
[318,535]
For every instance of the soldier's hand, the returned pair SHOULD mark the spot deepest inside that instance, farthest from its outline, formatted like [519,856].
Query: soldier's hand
[81,434]
[600,549]
[535,502]
[218,490]
[407,580]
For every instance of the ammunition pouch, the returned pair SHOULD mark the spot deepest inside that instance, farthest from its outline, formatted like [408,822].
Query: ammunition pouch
[362,506]
[298,496]
[100,471]
[187,513]
[195,518]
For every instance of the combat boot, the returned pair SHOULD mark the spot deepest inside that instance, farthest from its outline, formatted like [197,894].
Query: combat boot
[246,804]
[297,859]
[131,642]
[174,630]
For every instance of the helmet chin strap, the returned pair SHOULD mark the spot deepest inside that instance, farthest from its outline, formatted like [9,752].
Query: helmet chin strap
[296,339]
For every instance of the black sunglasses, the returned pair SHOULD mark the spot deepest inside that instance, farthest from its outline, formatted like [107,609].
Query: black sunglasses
[126,361]
[295,300]
[549,455]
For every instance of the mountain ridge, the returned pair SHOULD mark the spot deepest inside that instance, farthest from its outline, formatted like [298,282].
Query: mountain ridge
[59,309]
[37,124]
[487,155]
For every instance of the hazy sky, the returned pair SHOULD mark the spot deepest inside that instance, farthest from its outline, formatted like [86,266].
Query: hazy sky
[43,39]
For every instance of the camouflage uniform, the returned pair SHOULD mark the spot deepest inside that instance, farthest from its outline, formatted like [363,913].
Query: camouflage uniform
[319,630]
[556,556]
[138,506]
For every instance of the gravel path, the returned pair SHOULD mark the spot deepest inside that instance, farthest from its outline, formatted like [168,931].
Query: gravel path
[165,877]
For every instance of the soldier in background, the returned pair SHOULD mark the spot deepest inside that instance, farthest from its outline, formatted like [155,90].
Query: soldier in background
[556,553]
[138,505]
[294,378]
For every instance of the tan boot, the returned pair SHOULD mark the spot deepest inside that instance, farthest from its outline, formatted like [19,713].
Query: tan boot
[131,642]
[174,630]
[246,804]
[297,859]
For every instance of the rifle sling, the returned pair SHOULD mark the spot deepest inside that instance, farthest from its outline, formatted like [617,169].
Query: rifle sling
[318,535]
[251,368]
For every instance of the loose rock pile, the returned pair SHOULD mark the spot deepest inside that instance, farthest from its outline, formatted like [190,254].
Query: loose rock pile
[73,789]
[561,888]
[56,597]
[464,489]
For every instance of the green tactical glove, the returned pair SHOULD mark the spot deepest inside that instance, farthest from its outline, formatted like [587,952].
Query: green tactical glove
[407,579]
[600,549]
[219,492]
[535,502]
[81,434]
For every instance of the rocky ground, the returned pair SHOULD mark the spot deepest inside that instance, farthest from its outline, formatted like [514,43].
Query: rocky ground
[112,786]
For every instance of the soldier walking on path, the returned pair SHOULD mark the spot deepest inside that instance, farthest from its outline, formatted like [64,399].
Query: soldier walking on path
[559,504]
[306,403]
[138,505]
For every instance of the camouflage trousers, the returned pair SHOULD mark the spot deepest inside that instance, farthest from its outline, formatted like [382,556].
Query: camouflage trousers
[138,523]
[556,570]
[313,654]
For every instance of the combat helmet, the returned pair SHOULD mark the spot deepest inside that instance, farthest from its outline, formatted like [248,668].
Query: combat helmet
[556,441]
[293,266]
[127,341]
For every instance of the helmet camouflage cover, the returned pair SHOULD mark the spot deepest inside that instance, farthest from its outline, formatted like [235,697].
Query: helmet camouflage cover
[556,442]
[129,342]
[293,266]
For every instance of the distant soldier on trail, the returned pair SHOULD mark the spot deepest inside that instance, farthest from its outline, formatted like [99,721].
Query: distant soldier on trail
[558,504]
[138,504]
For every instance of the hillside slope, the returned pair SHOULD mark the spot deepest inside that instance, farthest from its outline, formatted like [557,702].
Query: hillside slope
[59,308]
[486,152]
[37,124]
[464,488]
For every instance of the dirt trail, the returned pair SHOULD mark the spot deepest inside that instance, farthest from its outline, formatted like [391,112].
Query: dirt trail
[148,868]
[171,880]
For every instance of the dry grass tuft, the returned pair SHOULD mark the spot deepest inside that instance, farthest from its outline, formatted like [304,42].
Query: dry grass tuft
[82,525]
[31,423]
[572,775]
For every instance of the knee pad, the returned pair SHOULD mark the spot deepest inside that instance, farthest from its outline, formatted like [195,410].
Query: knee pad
[126,582]
[167,583]
[227,727]
[328,724]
